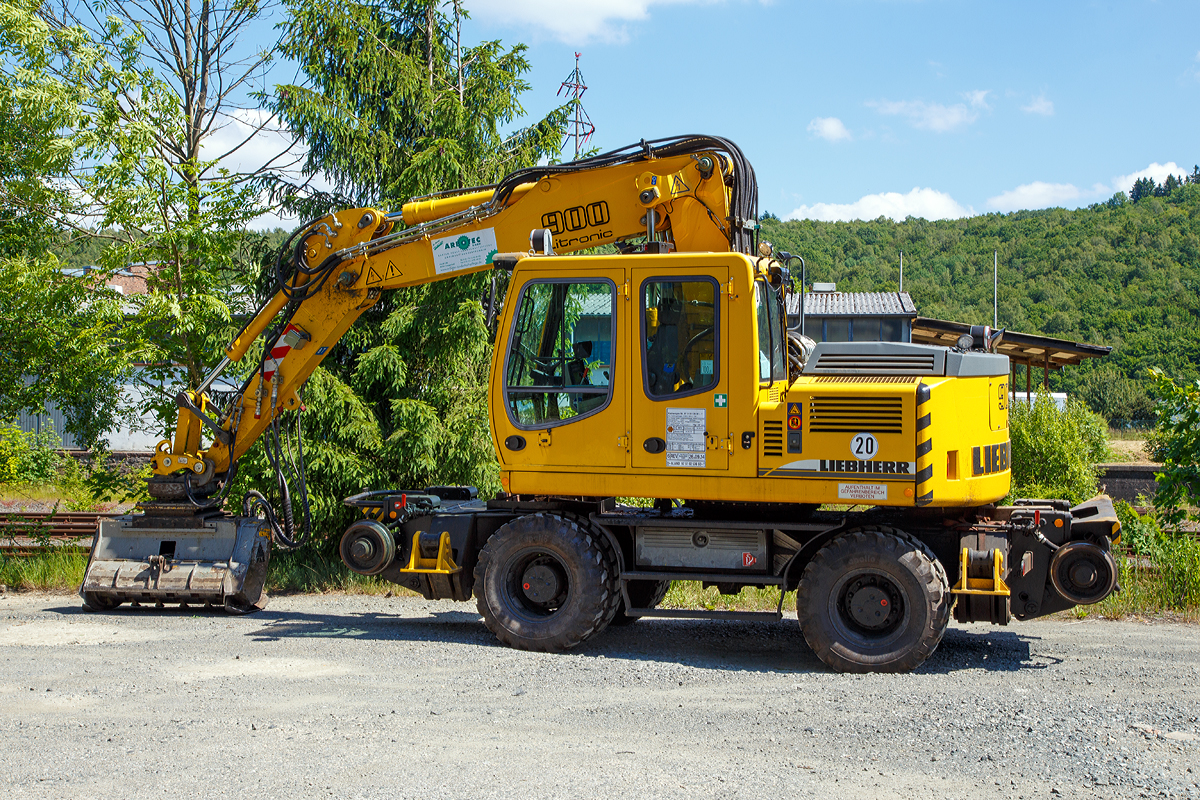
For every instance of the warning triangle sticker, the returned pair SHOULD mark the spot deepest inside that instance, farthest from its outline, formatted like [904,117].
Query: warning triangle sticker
[373,277]
[793,409]
[678,187]
[392,271]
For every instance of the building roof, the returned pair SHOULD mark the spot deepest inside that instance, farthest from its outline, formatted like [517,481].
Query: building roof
[1021,348]
[852,304]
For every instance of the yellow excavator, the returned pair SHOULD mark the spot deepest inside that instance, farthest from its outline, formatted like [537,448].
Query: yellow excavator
[862,475]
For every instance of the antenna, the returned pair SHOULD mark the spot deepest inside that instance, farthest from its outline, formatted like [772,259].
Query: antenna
[579,126]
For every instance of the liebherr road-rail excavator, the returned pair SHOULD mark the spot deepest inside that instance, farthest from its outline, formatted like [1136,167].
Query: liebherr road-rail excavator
[665,370]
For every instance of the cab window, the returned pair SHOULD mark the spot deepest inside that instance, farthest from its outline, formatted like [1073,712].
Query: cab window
[771,363]
[679,336]
[560,352]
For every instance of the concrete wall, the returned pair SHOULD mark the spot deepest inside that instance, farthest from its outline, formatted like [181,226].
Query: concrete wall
[1127,481]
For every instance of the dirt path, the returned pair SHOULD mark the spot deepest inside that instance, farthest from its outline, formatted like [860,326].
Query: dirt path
[369,697]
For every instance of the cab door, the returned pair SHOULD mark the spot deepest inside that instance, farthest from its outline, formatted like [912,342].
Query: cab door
[565,403]
[680,395]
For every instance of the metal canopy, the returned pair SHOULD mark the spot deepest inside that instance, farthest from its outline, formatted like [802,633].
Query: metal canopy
[1026,348]
[1021,348]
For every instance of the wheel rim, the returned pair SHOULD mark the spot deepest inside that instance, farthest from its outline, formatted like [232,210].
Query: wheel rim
[536,584]
[870,607]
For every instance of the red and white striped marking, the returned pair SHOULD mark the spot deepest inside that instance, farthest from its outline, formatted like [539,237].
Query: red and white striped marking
[278,353]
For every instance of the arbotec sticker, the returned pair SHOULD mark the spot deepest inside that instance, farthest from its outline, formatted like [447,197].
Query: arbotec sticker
[464,251]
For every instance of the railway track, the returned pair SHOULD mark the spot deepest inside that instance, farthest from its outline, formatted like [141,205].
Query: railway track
[25,533]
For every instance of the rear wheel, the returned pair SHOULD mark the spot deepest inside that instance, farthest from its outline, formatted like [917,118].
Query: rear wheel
[643,594]
[874,600]
[545,582]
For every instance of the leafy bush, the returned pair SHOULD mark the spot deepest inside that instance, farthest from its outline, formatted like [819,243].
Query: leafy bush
[1175,443]
[1055,451]
[28,457]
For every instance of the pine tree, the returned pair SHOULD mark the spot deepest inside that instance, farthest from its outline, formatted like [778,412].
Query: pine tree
[397,105]
[1142,188]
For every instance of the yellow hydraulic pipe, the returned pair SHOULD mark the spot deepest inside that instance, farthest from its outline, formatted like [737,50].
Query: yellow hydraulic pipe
[254,328]
[418,211]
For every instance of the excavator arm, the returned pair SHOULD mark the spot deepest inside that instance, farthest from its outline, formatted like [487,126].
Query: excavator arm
[683,194]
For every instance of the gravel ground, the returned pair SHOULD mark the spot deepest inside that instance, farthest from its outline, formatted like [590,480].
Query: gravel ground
[352,696]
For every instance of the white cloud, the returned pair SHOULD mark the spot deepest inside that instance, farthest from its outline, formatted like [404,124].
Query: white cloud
[977,98]
[930,116]
[830,129]
[248,139]
[574,23]
[1159,172]
[1037,195]
[926,203]
[1039,105]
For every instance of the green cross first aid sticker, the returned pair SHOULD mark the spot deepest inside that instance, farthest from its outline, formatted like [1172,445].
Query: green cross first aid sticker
[720,400]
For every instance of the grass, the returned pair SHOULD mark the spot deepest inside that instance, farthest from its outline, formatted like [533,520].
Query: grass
[56,571]
[310,571]
[1145,591]
[692,595]
[1129,434]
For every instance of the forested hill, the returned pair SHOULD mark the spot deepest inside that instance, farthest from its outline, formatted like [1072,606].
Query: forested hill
[1119,273]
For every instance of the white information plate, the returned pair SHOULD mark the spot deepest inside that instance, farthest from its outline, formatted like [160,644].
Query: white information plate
[464,251]
[685,437]
[862,491]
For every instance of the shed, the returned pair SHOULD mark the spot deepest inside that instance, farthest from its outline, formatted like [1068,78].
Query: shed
[833,316]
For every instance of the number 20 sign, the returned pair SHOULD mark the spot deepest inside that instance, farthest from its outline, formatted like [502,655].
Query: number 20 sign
[864,446]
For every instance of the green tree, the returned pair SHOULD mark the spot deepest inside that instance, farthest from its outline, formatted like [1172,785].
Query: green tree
[35,110]
[1175,443]
[1123,402]
[63,341]
[395,104]
[164,108]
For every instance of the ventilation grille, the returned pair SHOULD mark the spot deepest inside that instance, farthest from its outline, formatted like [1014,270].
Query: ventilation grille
[856,415]
[773,395]
[772,438]
[884,363]
[864,379]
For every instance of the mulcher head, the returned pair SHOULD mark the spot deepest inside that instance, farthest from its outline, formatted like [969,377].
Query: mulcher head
[174,555]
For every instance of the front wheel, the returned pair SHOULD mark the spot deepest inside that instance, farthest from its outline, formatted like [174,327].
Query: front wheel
[544,582]
[874,600]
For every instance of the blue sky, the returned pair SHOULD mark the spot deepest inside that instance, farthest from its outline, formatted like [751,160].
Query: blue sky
[867,107]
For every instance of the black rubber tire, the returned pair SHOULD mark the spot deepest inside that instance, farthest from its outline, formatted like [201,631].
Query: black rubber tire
[583,558]
[643,594]
[901,564]
[98,602]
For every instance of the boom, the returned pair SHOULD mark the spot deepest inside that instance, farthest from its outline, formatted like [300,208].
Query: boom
[686,194]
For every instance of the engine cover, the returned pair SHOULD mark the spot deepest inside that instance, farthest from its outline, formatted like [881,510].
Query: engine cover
[701,548]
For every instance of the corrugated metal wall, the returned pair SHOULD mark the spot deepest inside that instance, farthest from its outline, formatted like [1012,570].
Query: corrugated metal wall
[51,419]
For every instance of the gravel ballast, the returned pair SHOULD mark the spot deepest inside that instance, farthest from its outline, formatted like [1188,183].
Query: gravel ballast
[359,696]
